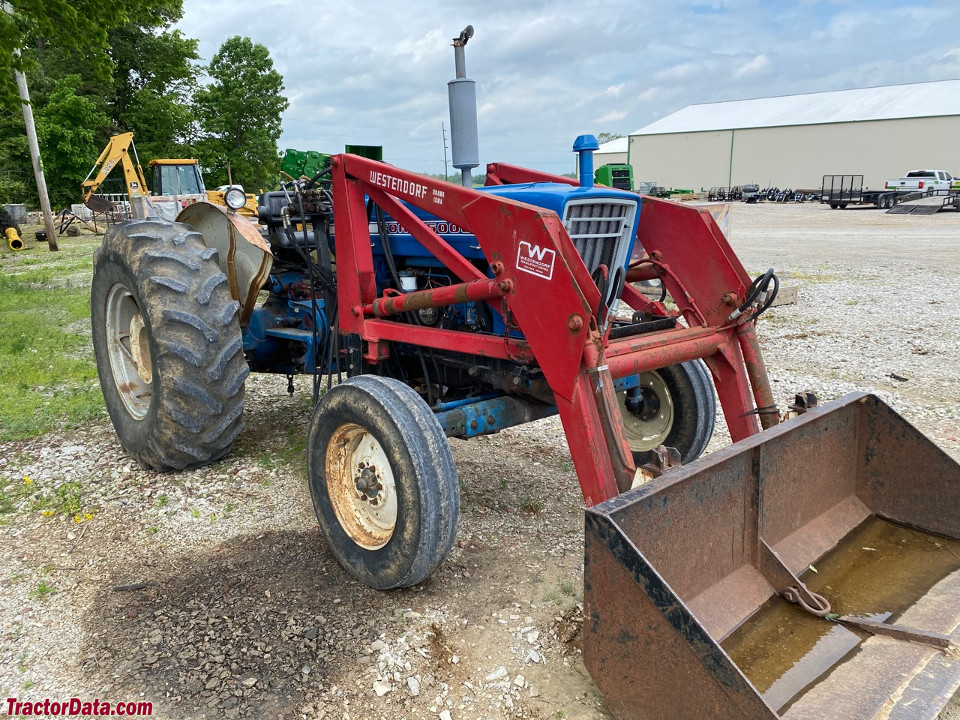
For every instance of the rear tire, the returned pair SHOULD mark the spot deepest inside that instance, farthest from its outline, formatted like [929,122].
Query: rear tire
[677,409]
[167,342]
[383,481]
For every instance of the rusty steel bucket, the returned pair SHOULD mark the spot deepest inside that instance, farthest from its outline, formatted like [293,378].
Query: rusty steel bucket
[847,510]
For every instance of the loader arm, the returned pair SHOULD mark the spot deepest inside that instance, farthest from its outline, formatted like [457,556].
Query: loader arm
[561,336]
[685,248]
[118,150]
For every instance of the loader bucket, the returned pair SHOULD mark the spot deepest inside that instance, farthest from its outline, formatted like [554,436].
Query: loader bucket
[683,577]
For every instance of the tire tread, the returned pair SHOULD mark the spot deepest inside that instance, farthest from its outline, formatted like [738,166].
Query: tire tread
[194,323]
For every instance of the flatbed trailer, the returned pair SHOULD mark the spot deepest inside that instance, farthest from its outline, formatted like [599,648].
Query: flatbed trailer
[927,203]
[839,191]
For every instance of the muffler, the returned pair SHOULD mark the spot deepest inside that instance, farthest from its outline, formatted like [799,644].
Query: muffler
[809,571]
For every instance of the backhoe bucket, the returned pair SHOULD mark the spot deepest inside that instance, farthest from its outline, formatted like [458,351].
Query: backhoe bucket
[685,578]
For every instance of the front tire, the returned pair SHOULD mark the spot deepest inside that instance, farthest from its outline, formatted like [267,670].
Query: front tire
[383,481]
[672,406]
[167,342]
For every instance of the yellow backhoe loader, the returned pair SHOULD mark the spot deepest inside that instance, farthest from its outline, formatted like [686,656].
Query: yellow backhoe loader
[176,184]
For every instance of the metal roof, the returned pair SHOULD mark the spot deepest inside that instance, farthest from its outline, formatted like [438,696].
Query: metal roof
[614,146]
[928,99]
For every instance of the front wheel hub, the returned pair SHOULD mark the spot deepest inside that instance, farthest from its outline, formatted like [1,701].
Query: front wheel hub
[128,347]
[648,412]
[361,486]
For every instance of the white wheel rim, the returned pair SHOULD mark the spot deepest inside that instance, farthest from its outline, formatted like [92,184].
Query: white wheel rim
[361,486]
[655,421]
[128,347]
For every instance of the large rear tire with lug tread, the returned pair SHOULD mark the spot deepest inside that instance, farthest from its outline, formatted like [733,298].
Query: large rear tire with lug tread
[167,342]
[383,481]
[672,406]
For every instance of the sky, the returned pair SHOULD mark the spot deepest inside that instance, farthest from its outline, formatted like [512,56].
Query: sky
[374,72]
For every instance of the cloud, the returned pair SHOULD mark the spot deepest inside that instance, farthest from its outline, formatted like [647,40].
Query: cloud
[683,71]
[649,94]
[549,70]
[751,67]
[610,117]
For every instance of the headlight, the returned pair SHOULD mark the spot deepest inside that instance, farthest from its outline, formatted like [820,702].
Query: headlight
[235,198]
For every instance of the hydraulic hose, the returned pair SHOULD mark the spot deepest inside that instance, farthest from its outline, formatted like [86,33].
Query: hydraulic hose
[770,294]
[759,286]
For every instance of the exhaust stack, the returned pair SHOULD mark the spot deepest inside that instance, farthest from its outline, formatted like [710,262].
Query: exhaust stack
[463,113]
[584,146]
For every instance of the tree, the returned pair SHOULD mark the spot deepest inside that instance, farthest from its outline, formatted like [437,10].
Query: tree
[66,128]
[239,116]
[80,26]
[94,69]
[16,173]
[154,80]
[606,137]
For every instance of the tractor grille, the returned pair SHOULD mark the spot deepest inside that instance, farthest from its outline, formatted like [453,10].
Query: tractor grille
[600,231]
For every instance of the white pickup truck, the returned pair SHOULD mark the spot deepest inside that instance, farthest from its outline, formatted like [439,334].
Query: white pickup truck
[922,180]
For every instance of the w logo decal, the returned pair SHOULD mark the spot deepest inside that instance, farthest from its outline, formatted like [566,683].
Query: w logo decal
[536,260]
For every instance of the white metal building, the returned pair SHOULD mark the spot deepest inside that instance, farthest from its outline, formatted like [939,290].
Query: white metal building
[611,153]
[793,140]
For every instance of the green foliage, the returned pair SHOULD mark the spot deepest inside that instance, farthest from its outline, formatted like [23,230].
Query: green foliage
[239,116]
[42,591]
[66,130]
[98,69]
[12,495]
[154,80]
[130,74]
[80,26]
[16,180]
[47,373]
[605,137]
[453,177]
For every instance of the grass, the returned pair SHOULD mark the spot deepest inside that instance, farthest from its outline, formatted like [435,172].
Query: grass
[291,449]
[12,496]
[43,590]
[65,500]
[48,378]
[531,506]
[824,277]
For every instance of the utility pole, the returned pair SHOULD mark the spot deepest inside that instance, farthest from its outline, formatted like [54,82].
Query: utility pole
[35,157]
[443,130]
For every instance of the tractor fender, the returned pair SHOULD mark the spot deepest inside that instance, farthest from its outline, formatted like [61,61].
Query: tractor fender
[244,256]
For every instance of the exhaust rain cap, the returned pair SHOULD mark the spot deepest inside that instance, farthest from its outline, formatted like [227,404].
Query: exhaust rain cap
[584,146]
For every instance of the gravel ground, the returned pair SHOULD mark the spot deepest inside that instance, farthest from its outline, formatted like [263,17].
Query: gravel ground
[211,593]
